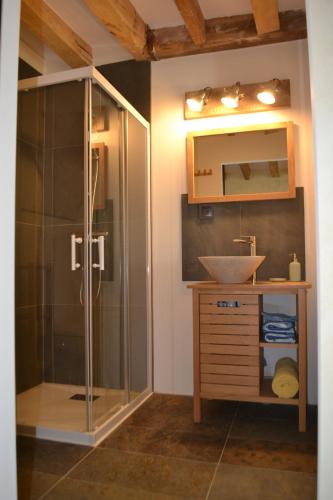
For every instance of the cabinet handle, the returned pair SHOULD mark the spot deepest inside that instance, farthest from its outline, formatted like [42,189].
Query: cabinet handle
[228,303]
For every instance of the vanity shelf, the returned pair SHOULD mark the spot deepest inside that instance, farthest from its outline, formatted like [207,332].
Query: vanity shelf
[228,352]
[277,345]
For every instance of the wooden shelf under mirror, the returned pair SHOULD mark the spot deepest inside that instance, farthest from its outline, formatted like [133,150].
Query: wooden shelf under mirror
[245,163]
[227,347]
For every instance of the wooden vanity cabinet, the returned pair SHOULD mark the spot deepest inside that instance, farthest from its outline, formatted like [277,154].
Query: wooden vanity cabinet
[227,348]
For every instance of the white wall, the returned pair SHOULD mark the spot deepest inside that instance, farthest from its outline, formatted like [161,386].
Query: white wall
[170,79]
[320,15]
[8,96]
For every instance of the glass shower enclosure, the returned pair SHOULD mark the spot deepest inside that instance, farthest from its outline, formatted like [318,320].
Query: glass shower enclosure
[83,286]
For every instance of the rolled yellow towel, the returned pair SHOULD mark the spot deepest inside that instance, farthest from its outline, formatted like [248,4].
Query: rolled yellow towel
[285,380]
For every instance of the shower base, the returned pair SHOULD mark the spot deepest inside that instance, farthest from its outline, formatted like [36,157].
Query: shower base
[47,411]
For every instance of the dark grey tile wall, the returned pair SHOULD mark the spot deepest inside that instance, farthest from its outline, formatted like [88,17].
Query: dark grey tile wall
[29,232]
[63,215]
[133,80]
[277,224]
[29,347]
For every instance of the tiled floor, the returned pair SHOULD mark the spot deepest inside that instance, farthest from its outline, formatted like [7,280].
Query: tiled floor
[240,452]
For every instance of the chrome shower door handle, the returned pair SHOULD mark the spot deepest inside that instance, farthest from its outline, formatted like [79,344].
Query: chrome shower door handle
[74,241]
[101,257]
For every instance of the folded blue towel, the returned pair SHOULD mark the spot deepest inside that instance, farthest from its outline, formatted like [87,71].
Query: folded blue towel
[279,338]
[277,317]
[275,326]
[279,327]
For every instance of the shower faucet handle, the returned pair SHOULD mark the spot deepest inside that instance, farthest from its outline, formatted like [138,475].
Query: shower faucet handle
[74,241]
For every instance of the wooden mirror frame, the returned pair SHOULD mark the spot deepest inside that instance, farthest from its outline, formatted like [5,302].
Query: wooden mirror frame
[291,193]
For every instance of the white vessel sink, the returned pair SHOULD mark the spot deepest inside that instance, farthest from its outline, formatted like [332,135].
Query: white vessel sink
[233,269]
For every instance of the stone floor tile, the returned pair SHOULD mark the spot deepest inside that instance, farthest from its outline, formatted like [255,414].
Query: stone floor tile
[272,430]
[169,443]
[32,484]
[168,476]
[176,413]
[48,456]
[236,482]
[300,457]
[82,490]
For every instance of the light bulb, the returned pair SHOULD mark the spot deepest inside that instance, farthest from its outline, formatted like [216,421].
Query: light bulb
[230,102]
[266,97]
[195,104]
[231,95]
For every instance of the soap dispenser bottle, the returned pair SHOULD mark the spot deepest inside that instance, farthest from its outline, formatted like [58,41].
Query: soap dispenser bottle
[294,269]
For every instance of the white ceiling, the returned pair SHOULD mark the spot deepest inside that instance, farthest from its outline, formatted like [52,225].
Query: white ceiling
[156,13]
[161,13]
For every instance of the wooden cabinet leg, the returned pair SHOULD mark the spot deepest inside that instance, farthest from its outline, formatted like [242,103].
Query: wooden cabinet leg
[302,418]
[302,359]
[197,409]
[196,359]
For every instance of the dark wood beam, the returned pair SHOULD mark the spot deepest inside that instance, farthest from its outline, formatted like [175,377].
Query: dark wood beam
[226,33]
[274,169]
[266,15]
[194,20]
[246,170]
[123,21]
[50,29]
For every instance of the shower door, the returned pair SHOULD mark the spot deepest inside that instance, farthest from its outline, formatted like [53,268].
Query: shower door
[117,232]
[105,339]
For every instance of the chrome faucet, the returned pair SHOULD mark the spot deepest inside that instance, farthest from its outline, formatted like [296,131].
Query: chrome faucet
[252,241]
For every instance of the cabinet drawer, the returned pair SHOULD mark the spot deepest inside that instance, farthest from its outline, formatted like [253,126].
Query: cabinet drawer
[229,339]
[227,359]
[237,350]
[242,299]
[229,304]
[229,329]
[212,378]
[219,390]
[218,309]
[251,371]
[229,319]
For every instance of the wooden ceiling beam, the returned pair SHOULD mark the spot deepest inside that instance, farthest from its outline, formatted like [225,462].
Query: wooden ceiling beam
[227,33]
[266,15]
[50,29]
[123,21]
[194,20]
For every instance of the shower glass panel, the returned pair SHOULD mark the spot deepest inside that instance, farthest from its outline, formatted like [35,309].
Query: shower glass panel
[82,257]
[138,237]
[50,334]
[108,337]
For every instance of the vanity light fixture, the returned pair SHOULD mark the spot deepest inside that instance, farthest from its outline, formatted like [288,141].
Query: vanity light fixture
[231,96]
[268,92]
[197,100]
[237,98]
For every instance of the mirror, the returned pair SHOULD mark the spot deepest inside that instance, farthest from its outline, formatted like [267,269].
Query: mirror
[247,163]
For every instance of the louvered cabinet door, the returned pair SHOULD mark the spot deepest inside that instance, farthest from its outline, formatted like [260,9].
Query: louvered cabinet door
[229,345]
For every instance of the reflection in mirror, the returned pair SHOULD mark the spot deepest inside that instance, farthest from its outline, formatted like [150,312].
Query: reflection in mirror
[263,176]
[241,164]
